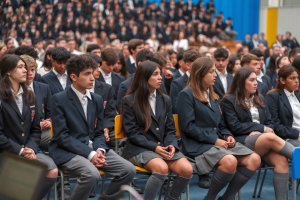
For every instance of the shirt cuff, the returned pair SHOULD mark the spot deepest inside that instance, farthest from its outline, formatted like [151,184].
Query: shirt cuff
[103,150]
[91,155]
[21,151]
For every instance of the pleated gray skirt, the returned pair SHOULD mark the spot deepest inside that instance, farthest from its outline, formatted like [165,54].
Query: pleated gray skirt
[144,157]
[208,160]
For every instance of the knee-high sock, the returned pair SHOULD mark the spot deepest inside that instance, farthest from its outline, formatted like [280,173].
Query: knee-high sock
[239,179]
[287,150]
[280,182]
[177,188]
[47,185]
[218,182]
[153,185]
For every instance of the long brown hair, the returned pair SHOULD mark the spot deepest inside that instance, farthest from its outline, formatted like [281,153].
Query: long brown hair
[237,89]
[200,68]
[8,63]
[140,89]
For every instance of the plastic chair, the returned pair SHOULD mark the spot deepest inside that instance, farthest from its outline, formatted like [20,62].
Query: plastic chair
[295,169]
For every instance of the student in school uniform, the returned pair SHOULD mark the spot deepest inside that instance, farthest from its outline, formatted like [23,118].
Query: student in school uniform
[284,105]
[78,145]
[149,126]
[20,131]
[206,139]
[247,116]
[42,97]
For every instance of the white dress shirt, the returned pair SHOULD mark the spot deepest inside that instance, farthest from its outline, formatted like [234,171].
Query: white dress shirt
[223,78]
[107,77]
[83,98]
[19,99]
[253,110]
[152,100]
[295,104]
[62,78]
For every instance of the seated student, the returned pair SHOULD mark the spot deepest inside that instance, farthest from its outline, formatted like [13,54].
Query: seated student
[284,105]
[253,62]
[205,137]
[224,79]
[109,103]
[179,84]
[57,79]
[152,143]
[20,131]
[42,97]
[109,59]
[78,145]
[248,118]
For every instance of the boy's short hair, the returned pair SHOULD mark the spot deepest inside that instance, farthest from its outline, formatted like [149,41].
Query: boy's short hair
[29,61]
[133,43]
[190,55]
[60,54]
[246,59]
[221,53]
[110,56]
[92,47]
[77,64]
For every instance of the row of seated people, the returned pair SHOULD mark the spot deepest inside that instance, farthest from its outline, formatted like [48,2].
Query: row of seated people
[79,123]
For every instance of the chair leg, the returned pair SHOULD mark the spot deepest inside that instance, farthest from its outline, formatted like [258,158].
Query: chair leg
[256,184]
[294,189]
[62,192]
[187,192]
[262,182]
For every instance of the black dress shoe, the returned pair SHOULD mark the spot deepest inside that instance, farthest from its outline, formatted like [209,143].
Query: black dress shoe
[204,181]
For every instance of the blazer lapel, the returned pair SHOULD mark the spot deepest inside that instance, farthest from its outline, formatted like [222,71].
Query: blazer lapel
[56,81]
[15,108]
[285,101]
[159,107]
[219,83]
[90,110]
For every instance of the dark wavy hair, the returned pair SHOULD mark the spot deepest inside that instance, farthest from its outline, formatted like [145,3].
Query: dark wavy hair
[140,89]
[8,63]
[237,89]
[284,72]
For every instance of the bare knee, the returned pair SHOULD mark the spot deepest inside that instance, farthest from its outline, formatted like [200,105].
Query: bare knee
[52,173]
[185,170]
[159,167]
[228,164]
[253,161]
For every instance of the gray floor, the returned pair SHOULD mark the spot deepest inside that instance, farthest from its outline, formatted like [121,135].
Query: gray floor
[246,192]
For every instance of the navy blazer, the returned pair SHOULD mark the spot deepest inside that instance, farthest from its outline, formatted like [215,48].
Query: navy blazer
[19,130]
[176,75]
[239,121]
[42,98]
[176,86]
[123,88]
[282,114]
[161,132]
[72,130]
[218,86]
[131,68]
[116,80]
[109,103]
[52,81]
[200,124]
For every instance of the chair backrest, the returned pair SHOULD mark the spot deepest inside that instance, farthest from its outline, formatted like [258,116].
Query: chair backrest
[296,163]
[175,117]
[119,131]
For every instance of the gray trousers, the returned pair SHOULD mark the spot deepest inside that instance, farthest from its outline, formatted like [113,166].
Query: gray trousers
[87,174]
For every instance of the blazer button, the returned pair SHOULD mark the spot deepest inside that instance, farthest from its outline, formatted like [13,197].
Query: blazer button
[157,129]
[158,143]
[23,134]
[22,123]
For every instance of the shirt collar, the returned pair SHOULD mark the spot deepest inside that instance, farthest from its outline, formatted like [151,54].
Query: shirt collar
[30,86]
[132,60]
[188,74]
[105,74]
[80,95]
[153,94]
[289,94]
[57,74]
[20,92]
[220,73]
